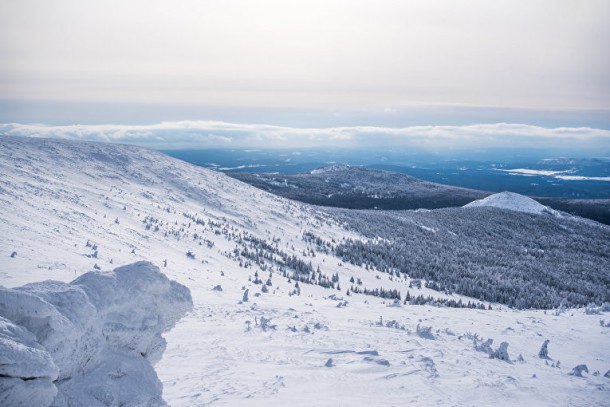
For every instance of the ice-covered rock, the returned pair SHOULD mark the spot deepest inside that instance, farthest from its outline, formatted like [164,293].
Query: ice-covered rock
[92,341]
[512,201]
[27,370]
[60,316]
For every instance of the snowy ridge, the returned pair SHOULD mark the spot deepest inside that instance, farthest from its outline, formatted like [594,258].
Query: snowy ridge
[69,207]
[514,202]
[356,187]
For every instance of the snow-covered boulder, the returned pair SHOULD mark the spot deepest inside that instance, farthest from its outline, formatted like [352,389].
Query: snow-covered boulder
[27,370]
[512,201]
[100,333]
[60,316]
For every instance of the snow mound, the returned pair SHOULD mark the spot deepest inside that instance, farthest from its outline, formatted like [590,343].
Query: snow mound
[92,341]
[512,201]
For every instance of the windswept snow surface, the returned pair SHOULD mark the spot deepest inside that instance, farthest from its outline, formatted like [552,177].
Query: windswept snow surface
[92,341]
[513,202]
[69,206]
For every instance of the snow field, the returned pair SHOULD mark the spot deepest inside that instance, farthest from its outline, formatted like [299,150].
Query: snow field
[74,207]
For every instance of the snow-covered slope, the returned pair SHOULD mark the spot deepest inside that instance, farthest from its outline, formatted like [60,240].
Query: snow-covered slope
[70,207]
[513,202]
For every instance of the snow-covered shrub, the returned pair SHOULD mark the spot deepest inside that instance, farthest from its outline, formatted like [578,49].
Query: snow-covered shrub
[424,332]
[593,309]
[501,353]
[544,351]
[319,325]
[480,345]
[577,370]
[394,324]
[22,356]
[395,303]
[266,324]
[561,308]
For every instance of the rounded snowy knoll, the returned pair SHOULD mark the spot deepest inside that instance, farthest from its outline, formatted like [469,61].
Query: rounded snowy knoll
[513,202]
[92,341]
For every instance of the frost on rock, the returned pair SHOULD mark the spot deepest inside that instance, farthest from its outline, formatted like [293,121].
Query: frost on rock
[92,341]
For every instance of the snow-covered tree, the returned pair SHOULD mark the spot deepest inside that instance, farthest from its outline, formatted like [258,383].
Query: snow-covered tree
[544,351]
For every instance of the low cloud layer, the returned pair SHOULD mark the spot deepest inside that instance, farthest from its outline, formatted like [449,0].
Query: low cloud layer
[214,134]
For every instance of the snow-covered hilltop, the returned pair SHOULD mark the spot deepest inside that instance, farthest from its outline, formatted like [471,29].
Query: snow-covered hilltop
[280,316]
[512,201]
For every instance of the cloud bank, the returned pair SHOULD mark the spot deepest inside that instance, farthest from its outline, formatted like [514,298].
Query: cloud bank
[216,134]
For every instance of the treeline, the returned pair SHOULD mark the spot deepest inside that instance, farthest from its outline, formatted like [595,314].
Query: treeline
[517,259]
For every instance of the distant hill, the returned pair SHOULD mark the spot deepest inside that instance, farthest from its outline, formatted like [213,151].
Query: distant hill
[357,187]
[354,187]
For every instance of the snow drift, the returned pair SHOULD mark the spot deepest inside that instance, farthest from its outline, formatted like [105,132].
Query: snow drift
[512,201]
[90,342]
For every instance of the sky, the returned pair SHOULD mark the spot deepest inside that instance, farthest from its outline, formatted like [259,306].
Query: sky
[305,64]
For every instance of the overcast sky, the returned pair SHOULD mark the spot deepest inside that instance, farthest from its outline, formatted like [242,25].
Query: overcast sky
[329,62]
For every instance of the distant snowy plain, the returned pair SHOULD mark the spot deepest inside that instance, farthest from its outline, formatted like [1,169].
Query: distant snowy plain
[70,208]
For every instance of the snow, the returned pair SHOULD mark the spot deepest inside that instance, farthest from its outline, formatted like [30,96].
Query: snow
[513,202]
[526,171]
[60,200]
[22,357]
[92,341]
